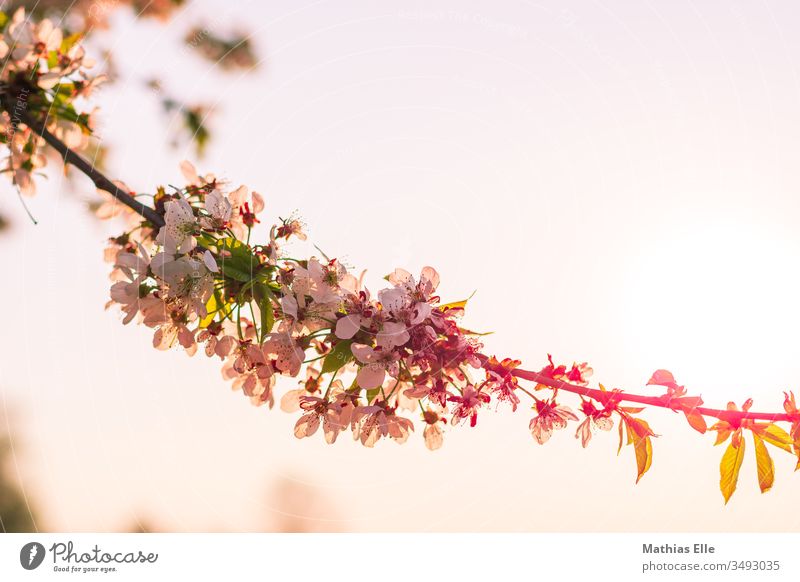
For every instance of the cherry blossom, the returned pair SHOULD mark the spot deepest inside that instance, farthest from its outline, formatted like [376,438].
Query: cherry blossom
[376,362]
[596,419]
[550,416]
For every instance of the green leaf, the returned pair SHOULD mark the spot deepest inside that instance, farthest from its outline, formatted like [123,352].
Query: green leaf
[234,272]
[263,296]
[372,394]
[241,264]
[338,357]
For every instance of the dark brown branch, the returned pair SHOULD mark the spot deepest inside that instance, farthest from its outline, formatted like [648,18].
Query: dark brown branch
[99,179]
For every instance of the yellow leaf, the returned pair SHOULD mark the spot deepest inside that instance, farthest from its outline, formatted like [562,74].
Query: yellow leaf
[639,433]
[211,310]
[764,465]
[457,304]
[776,436]
[454,305]
[644,455]
[214,305]
[729,469]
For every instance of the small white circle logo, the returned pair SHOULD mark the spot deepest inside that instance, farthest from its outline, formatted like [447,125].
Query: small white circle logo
[31,555]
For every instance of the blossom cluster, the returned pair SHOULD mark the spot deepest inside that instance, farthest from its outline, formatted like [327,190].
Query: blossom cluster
[199,284]
[44,73]
[374,365]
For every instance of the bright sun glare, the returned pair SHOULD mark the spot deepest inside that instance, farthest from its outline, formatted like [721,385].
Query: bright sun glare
[719,304]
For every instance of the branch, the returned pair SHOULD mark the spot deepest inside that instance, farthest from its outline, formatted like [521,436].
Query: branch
[103,183]
[732,416]
[99,179]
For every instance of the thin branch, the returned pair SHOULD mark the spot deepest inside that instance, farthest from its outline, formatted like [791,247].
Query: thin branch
[732,416]
[99,179]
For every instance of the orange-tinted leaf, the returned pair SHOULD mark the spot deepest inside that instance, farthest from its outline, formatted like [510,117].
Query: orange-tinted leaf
[736,438]
[729,469]
[764,465]
[644,455]
[696,420]
[722,436]
[621,424]
[724,430]
[640,427]
[789,403]
[664,378]
[632,409]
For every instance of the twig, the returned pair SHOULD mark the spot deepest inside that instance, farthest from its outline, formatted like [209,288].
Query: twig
[99,179]
[732,416]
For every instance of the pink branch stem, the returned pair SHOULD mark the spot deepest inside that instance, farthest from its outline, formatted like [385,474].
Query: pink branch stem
[733,416]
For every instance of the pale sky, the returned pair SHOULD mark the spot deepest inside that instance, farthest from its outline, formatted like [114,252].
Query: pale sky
[618,181]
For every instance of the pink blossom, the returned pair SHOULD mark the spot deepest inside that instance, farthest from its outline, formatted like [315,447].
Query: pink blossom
[361,314]
[596,419]
[283,349]
[331,414]
[219,210]
[551,416]
[289,227]
[173,332]
[217,343]
[392,334]
[375,364]
[433,433]
[467,405]
[501,381]
[378,420]
[177,234]
[244,208]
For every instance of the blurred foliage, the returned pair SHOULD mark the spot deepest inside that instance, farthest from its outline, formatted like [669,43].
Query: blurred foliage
[234,52]
[15,514]
[84,14]
[193,119]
